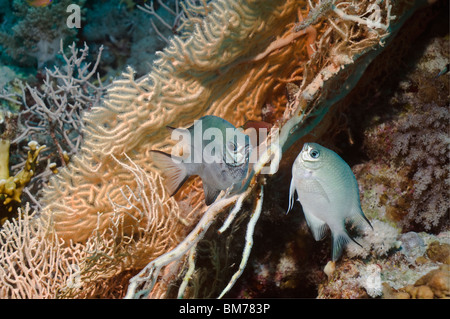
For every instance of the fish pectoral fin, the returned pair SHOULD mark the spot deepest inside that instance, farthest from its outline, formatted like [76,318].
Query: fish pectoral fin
[211,193]
[312,186]
[318,227]
[172,169]
[291,196]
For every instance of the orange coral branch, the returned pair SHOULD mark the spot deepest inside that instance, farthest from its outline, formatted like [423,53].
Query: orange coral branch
[280,43]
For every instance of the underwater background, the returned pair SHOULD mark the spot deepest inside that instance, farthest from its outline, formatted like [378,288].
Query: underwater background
[87,89]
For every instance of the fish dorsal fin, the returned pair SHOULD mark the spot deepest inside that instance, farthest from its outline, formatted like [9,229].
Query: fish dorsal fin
[211,193]
[312,186]
[318,227]
[291,195]
[173,171]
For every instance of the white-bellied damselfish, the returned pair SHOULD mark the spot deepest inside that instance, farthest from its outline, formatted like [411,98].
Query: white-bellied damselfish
[213,149]
[328,192]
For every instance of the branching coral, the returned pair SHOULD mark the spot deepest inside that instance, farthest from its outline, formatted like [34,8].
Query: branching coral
[51,114]
[30,266]
[58,106]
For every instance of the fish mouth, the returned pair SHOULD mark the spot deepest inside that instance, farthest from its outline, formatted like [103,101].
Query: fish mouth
[304,152]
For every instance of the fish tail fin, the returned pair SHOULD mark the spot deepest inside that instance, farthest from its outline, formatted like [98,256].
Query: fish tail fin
[173,171]
[340,240]
[291,196]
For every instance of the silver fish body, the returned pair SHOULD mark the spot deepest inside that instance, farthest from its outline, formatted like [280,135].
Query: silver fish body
[328,192]
[217,151]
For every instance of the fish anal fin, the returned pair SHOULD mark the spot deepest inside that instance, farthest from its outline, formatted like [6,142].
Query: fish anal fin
[172,169]
[318,227]
[340,240]
[358,219]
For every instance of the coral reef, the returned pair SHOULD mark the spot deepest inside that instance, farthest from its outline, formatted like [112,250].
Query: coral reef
[31,35]
[403,166]
[107,213]
[51,113]
[129,36]
[220,81]
[397,275]
[417,152]
[132,119]
[54,115]
[404,177]
[433,284]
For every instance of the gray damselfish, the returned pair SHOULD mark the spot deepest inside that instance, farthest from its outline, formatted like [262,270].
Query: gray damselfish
[213,149]
[328,192]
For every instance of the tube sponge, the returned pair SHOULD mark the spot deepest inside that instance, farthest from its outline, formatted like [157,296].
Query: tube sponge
[4,159]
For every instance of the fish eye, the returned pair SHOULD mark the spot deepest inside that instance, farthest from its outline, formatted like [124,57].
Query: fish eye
[314,153]
[232,146]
